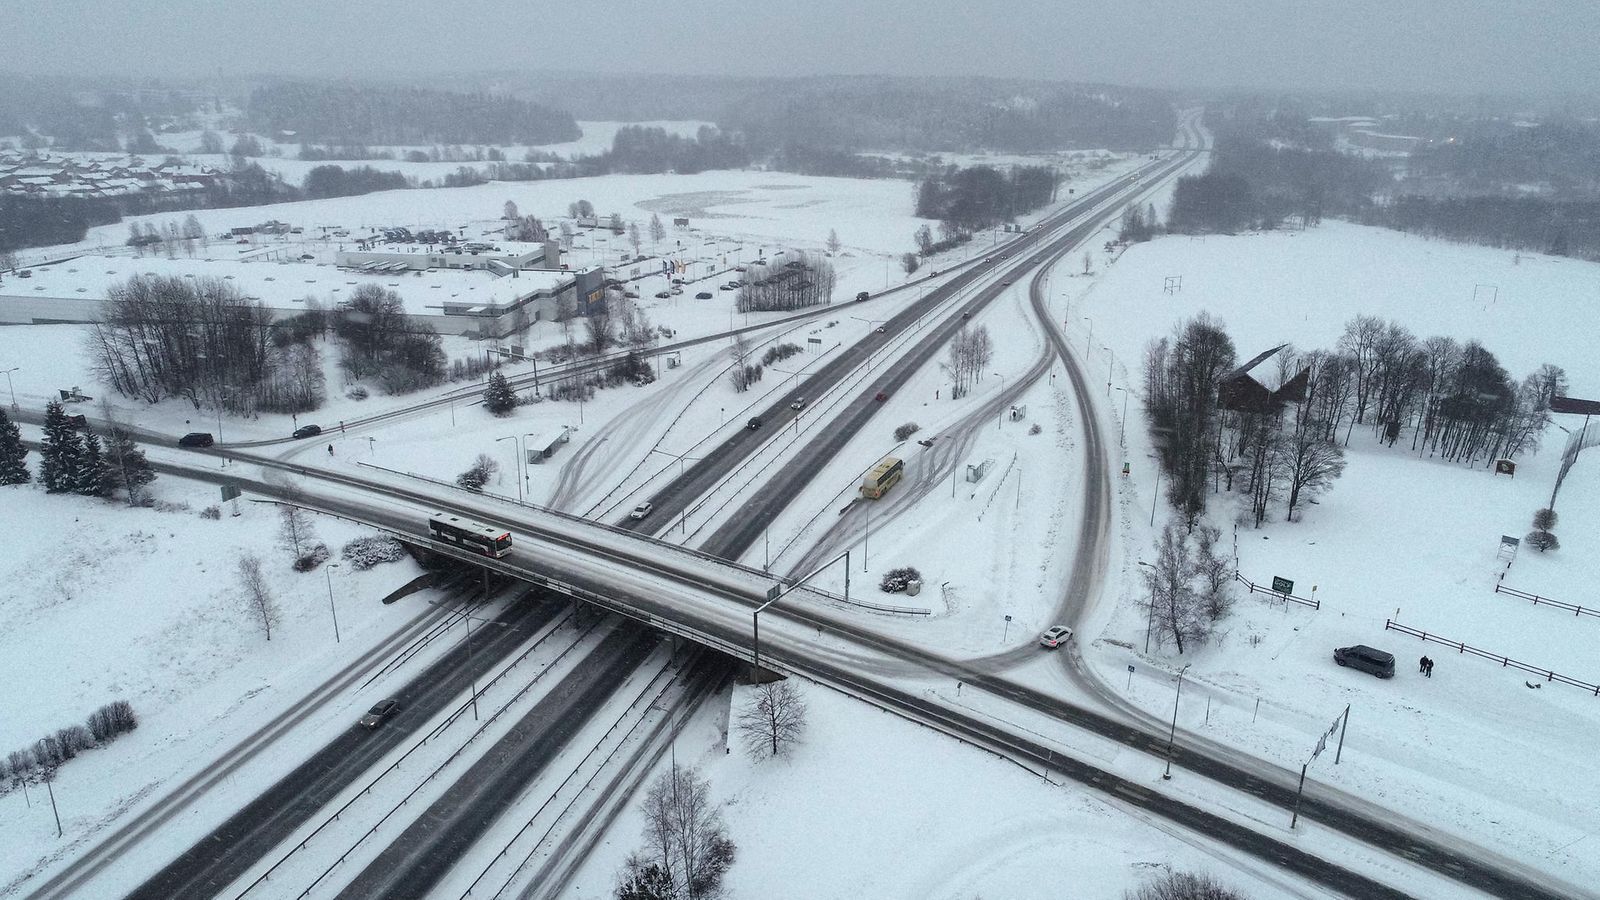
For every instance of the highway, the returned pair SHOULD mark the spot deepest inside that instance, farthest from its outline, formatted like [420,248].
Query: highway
[695,594]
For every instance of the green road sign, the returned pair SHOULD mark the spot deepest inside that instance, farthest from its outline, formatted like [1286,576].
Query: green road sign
[229,492]
[1282,585]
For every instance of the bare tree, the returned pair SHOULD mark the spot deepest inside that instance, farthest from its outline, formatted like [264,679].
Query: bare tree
[833,241]
[601,332]
[296,532]
[257,595]
[1176,612]
[909,263]
[1214,571]
[658,232]
[1183,886]
[633,237]
[509,211]
[1310,463]
[687,849]
[773,718]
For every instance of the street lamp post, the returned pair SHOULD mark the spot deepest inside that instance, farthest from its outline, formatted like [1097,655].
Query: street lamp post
[1110,364]
[12,389]
[1090,342]
[1150,621]
[331,608]
[1001,423]
[1173,732]
[1157,498]
[1122,431]
[515,448]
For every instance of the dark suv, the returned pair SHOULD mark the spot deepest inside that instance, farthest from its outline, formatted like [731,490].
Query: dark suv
[1367,659]
[196,439]
[305,431]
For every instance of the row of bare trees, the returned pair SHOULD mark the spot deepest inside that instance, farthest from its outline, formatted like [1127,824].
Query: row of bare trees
[794,279]
[970,353]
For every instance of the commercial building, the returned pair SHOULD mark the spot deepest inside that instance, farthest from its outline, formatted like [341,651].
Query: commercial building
[501,257]
[452,301]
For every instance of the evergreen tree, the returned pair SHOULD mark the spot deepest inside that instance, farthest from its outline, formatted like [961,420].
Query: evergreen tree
[498,397]
[13,456]
[128,464]
[93,476]
[62,451]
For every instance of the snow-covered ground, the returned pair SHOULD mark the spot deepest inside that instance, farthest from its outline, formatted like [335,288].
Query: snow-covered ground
[1473,751]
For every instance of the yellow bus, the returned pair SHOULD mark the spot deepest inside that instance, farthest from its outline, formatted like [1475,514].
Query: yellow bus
[882,476]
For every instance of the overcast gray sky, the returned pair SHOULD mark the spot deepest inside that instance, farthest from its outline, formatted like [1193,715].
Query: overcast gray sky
[1459,46]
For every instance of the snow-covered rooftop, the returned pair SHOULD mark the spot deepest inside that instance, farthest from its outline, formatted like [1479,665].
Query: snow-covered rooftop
[284,284]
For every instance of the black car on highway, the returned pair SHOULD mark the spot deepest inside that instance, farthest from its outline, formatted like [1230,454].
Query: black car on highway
[305,431]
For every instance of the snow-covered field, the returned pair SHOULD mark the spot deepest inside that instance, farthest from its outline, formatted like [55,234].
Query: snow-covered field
[1473,751]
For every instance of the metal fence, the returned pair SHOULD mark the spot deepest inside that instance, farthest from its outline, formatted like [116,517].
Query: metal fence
[1504,661]
[1546,601]
[1258,589]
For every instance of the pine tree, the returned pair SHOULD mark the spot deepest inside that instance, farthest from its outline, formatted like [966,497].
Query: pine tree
[498,397]
[93,476]
[128,464]
[61,453]
[13,456]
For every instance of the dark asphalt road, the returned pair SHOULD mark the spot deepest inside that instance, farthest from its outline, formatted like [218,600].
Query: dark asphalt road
[420,855]
[249,834]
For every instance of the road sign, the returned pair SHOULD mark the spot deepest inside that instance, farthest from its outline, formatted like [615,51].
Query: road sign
[230,492]
[1282,585]
[1505,467]
[773,592]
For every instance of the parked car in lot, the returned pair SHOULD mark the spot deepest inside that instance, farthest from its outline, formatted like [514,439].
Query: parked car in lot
[730,286]
[1055,636]
[305,431]
[383,710]
[676,291]
[641,510]
[703,295]
[662,295]
[1368,659]
[754,423]
[196,439]
[306,256]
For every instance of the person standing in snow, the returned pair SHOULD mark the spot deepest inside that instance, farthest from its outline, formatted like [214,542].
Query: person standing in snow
[1422,664]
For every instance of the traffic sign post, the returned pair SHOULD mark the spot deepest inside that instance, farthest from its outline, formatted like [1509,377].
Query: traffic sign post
[230,491]
[1282,585]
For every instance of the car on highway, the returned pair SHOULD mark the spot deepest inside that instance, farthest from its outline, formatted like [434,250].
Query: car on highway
[754,423]
[966,315]
[1005,284]
[862,296]
[1368,659]
[703,295]
[641,510]
[382,710]
[196,439]
[305,431]
[798,404]
[1055,636]
[881,396]
[880,329]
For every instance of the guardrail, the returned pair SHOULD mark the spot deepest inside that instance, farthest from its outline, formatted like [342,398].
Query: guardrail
[1258,589]
[1546,601]
[1504,661]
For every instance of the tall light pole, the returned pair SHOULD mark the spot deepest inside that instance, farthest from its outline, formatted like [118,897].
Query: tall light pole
[1001,423]
[516,449]
[1122,431]
[331,608]
[1173,732]
[1110,363]
[1090,342]
[12,389]
[1150,621]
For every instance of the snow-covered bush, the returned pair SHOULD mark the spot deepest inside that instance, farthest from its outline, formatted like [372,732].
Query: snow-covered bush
[312,558]
[74,738]
[895,580]
[365,552]
[111,720]
[906,430]
[212,512]
[483,468]
[357,393]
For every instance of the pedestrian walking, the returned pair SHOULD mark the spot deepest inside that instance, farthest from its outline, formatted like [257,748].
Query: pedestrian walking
[330,449]
[1430,668]
[1422,664]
